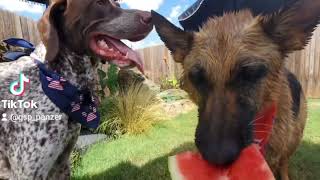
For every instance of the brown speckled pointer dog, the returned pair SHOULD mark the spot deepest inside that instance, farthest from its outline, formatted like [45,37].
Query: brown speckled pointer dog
[234,67]
[76,33]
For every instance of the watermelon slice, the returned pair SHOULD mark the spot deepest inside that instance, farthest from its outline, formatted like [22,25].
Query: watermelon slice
[250,165]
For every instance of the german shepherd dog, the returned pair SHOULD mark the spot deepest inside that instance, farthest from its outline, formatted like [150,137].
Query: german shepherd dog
[234,67]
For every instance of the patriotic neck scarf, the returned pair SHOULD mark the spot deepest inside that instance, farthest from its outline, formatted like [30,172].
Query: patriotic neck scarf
[262,126]
[79,105]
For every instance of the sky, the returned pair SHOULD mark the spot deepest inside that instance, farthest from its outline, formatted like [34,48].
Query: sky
[169,8]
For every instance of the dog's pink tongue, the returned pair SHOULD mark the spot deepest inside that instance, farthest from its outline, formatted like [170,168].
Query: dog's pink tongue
[131,54]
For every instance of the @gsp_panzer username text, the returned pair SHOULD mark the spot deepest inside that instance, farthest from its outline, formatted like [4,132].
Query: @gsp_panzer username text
[28,117]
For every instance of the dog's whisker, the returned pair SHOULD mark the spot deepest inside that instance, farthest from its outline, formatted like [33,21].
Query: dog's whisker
[262,124]
[255,120]
[262,132]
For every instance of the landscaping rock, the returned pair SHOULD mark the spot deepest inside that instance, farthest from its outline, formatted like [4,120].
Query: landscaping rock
[178,107]
[87,140]
[172,95]
[175,102]
[128,77]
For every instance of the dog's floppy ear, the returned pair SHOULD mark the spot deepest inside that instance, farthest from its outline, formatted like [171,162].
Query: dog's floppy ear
[177,41]
[47,27]
[292,27]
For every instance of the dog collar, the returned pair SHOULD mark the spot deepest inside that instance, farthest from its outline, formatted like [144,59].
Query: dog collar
[79,105]
[263,125]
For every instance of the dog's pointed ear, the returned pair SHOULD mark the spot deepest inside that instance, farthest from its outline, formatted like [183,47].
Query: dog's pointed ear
[177,41]
[47,27]
[292,27]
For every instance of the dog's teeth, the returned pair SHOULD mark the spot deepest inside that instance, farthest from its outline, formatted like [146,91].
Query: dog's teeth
[127,55]
[102,43]
[101,52]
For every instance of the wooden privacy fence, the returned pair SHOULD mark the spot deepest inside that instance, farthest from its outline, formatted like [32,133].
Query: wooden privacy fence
[159,63]
[12,25]
[304,64]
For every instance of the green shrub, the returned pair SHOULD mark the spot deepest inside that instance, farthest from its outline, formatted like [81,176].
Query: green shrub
[109,79]
[131,112]
[171,98]
[112,81]
[169,83]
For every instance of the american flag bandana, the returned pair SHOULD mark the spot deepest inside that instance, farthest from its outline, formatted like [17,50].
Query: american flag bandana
[79,105]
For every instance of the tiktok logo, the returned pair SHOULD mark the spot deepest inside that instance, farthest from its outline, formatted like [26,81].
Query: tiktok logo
[18,87]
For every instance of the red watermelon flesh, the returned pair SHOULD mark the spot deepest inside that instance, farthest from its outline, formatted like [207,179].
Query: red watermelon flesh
[250,165]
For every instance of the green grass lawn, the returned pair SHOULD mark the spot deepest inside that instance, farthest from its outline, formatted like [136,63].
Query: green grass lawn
[305,165]
[144,157]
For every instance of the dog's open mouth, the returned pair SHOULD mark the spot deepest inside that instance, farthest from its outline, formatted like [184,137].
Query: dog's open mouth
[116,52]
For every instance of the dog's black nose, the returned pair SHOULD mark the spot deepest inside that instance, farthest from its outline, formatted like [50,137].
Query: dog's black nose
[146,17]
[223,154]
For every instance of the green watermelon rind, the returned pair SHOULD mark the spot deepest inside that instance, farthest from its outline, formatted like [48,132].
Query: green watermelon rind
[174,169]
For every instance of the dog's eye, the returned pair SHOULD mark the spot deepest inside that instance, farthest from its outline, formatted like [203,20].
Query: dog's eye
[116,2]
[197,76]
[102,2]
[252,73]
